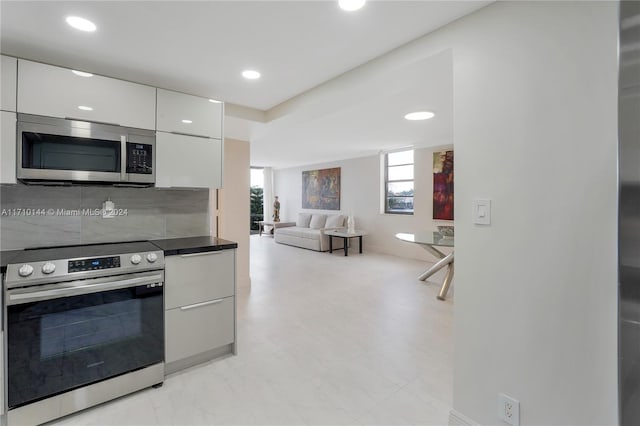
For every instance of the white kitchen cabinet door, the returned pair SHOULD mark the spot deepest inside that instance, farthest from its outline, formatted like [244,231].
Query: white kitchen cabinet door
[59,92]
[8,147]
[9,81]
[192,115]
[188,161]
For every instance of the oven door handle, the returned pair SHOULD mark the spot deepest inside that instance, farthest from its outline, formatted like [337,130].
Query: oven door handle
[78,287]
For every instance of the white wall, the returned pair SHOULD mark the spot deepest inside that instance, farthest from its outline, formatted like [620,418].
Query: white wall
[535,130]
[360,196]
[234,204]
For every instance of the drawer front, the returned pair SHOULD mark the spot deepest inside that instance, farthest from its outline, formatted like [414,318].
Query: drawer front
[58,92]
[195,278]
[189,114]
[194,329]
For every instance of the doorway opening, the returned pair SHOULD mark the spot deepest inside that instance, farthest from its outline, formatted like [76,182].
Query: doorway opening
[256,195]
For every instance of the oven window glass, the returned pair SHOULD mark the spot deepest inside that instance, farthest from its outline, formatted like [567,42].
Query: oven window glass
[54,152]
[90,327]
[61,344]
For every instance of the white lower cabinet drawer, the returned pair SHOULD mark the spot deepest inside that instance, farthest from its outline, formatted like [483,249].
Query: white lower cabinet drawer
[192,278]
[194,329]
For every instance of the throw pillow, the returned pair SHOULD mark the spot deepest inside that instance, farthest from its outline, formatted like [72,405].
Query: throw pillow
[317,221]
[334,221]
[303,220]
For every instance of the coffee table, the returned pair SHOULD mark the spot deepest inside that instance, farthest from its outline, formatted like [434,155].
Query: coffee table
[273,225]
[429,240]
[345,237]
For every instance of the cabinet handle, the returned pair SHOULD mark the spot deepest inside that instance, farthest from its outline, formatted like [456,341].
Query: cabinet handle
[200,305]
[92,121]
[175,132]
[204,253]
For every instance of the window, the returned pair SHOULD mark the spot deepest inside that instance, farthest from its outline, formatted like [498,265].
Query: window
[398,182]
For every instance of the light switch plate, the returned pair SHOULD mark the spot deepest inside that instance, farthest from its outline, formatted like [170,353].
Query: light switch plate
[481,212]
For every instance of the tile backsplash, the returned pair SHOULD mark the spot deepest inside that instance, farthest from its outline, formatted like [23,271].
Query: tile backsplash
[151,213]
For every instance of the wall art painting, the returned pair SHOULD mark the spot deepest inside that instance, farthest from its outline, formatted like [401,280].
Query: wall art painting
[443,185]
[321,189]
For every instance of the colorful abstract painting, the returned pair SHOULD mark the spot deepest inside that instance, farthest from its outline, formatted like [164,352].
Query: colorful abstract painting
[321,189]
[443,185]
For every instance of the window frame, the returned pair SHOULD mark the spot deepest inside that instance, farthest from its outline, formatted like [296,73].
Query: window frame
[387,181]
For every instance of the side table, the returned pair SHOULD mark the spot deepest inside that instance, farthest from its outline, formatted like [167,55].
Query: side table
[345,238]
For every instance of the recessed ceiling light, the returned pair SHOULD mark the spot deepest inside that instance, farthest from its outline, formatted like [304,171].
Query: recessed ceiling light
[214,101]
[351,5]
[251,74]
[81,23]
[85,108]
[187,121]
[82,73]
[419,115]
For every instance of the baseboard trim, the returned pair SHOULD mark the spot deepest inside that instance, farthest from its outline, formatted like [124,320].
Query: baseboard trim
[458,419]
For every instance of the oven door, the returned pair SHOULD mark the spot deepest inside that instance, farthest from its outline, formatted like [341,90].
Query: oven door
[64,336]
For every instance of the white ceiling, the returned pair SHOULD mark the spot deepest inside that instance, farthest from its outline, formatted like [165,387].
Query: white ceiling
[363,118]
[201,47]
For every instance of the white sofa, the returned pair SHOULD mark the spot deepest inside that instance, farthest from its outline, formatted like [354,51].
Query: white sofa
[309,231]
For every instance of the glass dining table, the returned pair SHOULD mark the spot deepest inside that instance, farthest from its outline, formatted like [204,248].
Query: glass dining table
[429,240]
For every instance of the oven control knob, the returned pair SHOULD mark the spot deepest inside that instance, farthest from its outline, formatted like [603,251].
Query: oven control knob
[135,259]
[48,268]
[25,270]
[152,257]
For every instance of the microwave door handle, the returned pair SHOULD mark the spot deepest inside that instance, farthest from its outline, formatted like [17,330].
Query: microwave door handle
[123,159]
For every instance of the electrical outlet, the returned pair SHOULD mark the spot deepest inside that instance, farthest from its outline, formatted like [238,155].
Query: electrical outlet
[508,410]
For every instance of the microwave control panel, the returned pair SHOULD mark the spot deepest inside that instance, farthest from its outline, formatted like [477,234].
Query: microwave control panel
[139,158]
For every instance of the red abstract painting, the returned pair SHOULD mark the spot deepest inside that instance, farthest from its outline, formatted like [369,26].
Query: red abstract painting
[443,185]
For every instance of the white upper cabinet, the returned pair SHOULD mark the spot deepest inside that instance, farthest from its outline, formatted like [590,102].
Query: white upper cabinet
[9,80]
[188,161]
[60,92]
[187,114]
[7,147]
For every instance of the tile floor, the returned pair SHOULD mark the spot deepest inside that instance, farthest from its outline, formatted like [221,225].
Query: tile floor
[323,340]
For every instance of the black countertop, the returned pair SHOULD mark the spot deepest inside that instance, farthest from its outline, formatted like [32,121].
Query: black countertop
[175,246]
[170,246]
[6,256]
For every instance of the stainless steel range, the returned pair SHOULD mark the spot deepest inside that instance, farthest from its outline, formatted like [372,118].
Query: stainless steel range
[84,324]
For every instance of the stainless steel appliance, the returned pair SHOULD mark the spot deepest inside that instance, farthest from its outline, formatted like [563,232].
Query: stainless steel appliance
[69,150]
[83,325]
[629,210]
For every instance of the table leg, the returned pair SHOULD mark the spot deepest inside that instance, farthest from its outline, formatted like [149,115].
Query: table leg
[360,238]
[346,246]
[330,244]
[447,282]
[434,251]
[448,259]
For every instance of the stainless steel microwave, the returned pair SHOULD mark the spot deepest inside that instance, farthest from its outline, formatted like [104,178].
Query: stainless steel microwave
[66,150]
